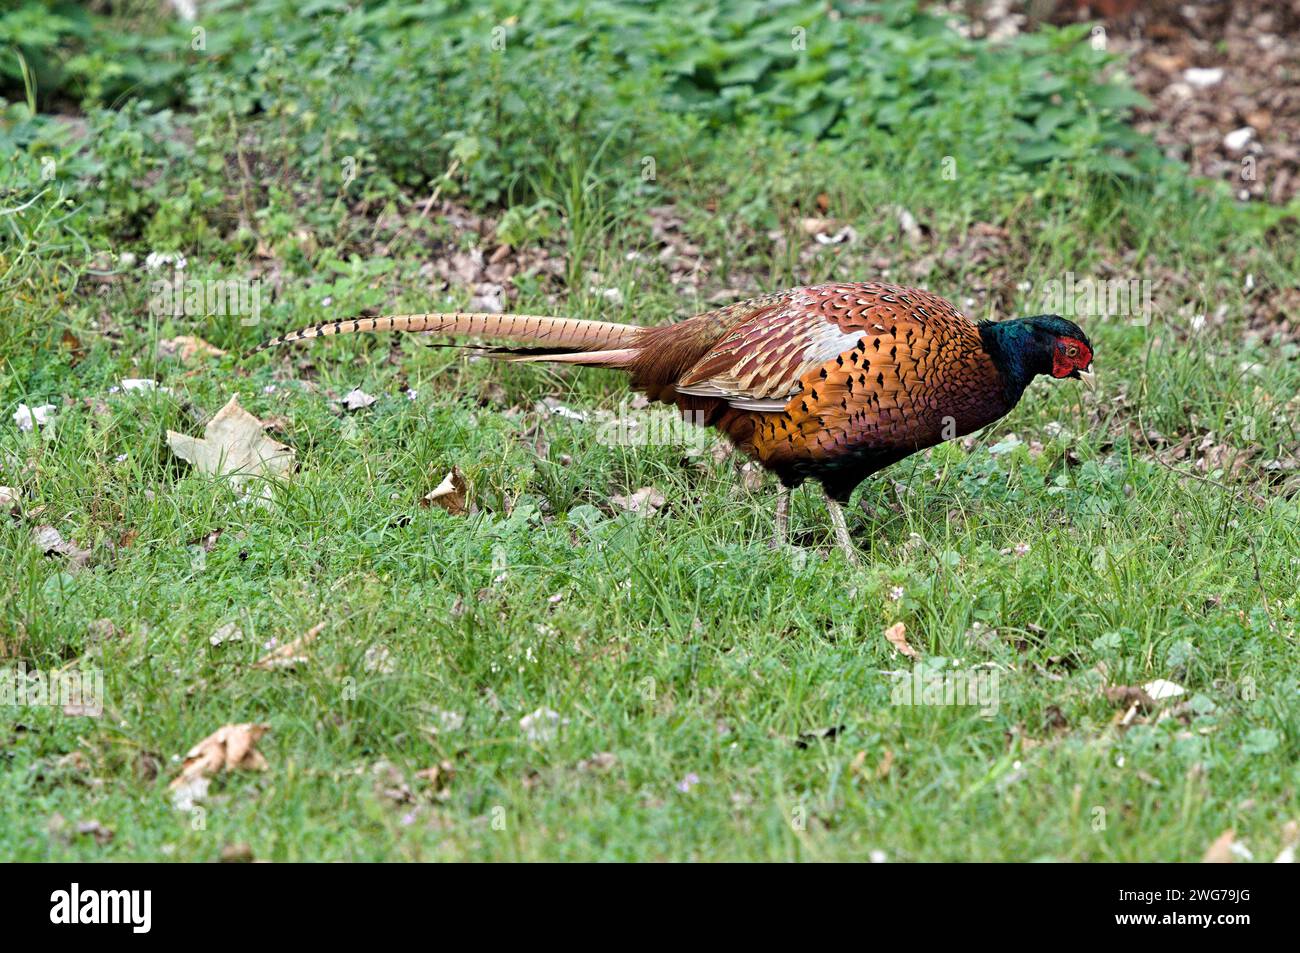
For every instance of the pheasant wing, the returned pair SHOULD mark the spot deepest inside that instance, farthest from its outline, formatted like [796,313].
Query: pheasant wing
[763,361]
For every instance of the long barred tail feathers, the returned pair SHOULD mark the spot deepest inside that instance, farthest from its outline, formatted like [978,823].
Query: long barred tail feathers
[555,334]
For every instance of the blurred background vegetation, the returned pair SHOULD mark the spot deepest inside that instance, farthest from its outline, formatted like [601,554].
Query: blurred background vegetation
[513,98]
[643,162]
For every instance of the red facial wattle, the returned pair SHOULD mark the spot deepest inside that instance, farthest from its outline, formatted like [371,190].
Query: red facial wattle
[1064,364]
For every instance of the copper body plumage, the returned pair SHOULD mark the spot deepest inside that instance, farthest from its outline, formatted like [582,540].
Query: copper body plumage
[836,381]
[831,382]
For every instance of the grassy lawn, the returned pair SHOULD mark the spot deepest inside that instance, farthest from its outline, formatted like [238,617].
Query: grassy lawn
[588,682]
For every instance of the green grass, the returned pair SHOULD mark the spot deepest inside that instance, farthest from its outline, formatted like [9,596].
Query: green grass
[707,664]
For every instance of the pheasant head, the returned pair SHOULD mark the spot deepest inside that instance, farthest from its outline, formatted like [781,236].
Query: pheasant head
[1043,344]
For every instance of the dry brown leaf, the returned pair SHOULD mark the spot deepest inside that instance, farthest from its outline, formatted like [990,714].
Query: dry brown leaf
[1290,837]
[51,543]
[438,778]
[356,399]
[228,748]
[390,783]
[818,226]
[451,494]
[751,477]
[187,347]
[28,418]
[647,501]
[238,853]
[102,630]
[600,761]
[208,542]
[858,766]
[805,739]
[76,350]
[230,632]
[1129,695]
[291,653]
[233,443]
[896,634]
[92,828]
[1220,852]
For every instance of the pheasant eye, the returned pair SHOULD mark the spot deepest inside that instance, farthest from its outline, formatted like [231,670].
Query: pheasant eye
[1071,351]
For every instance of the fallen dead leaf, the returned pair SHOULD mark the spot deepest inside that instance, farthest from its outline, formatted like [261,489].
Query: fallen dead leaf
[230,632]
[230,747]
[451,494]
[601,761]
[1220,852]
[51,543]
[208,542]
[445,721]
[1054,719]
[886,763]
[291,653]
[28,417]
[9,500]
[72,344]
[187,347]
[807,738]
[542,725]
[239,853]
[356,398]
[647,501]
[379,660]
[751,477]
[102,630]
[233,443]
[438,777]
[141,384]
[1290,837]
[93,828]
[896,635]
[908,225]
[390,783]
[818,226]
[1129,695]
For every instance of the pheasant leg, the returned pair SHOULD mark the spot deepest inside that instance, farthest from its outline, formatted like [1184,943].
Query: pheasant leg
[842,532]
[781,531]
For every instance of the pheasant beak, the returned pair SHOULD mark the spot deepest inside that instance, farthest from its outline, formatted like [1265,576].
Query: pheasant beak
[1088,378]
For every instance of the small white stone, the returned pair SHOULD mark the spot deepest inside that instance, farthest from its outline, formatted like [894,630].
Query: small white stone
[1238,139]
[28,417]
[356,398]
[1202,78]
[1160,689]
[542,725]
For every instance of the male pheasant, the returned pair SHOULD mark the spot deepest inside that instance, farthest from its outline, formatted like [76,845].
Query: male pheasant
[830,383]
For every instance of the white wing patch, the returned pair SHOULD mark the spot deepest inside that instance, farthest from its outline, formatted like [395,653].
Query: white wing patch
[758,365]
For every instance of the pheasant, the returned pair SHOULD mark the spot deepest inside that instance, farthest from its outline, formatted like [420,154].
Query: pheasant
[829,383]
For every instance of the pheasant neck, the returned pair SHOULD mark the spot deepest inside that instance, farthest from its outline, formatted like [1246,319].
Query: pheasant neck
[1016,352]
